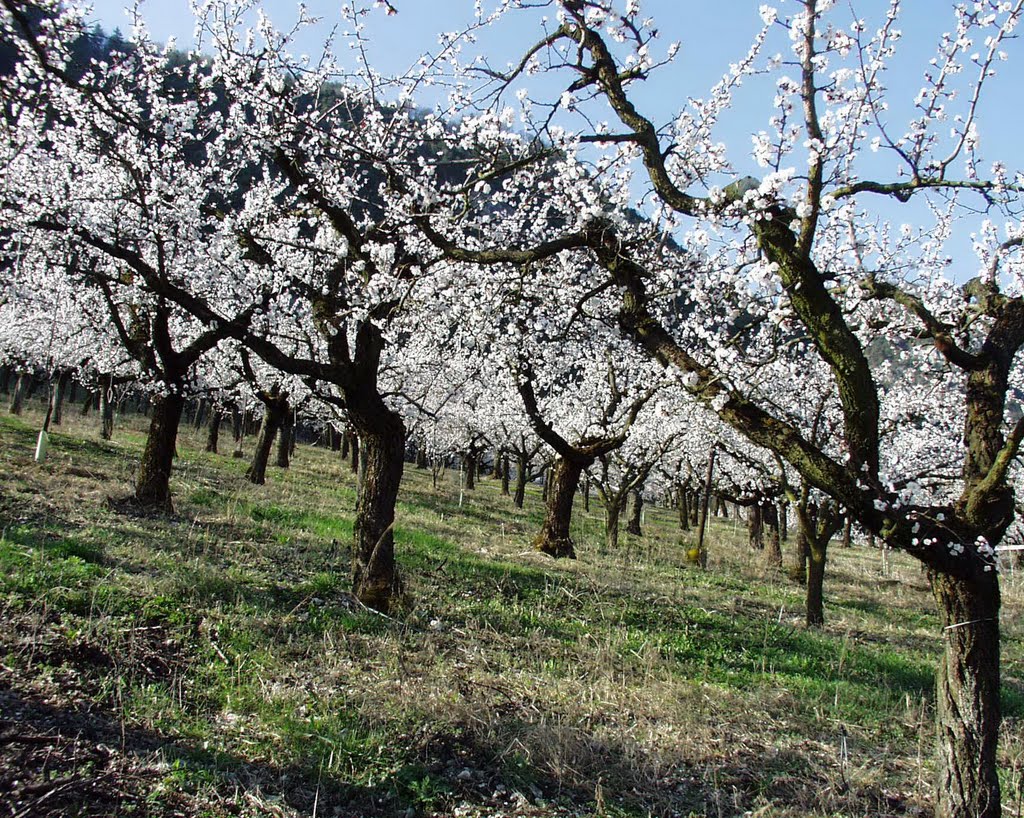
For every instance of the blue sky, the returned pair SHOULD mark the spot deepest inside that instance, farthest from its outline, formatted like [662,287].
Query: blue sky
[712,35]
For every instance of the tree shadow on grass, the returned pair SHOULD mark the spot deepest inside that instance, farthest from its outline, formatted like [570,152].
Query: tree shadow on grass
[58,760]
[80,760]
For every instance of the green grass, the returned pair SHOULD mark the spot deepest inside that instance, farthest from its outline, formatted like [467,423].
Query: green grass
[620,684]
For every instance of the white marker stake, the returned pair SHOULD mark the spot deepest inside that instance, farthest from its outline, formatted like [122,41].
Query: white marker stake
[42,445]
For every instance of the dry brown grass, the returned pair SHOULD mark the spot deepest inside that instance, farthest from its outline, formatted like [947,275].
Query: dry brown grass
[507,685]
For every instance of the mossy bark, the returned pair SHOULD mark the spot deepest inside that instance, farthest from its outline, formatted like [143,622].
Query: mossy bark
[967,696]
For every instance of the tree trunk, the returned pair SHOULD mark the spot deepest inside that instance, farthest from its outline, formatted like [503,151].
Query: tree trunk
[153,487]
[783,512]
[238,423]
[344,445]
[817,553]
[684,508]
[798,570]
[200,415]
[504,474]
[522,469]
[273,416]
[773,542]
[554,538]
[375,578]
[586,492]
[469,466]
[213,435]
[755,528]
[353,447]
[612,512]
[18,398]
[702,554]
[967,696]
[55,412]
[285,436]
[846,532]
[421,456]
[107,407]
[633,526]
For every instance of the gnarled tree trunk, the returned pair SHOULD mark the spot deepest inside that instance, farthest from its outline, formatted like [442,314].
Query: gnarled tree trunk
[562,480]
[967,696]
[375,578]
[153,485]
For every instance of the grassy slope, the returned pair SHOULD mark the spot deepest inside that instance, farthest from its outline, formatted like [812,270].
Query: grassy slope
[212,663]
